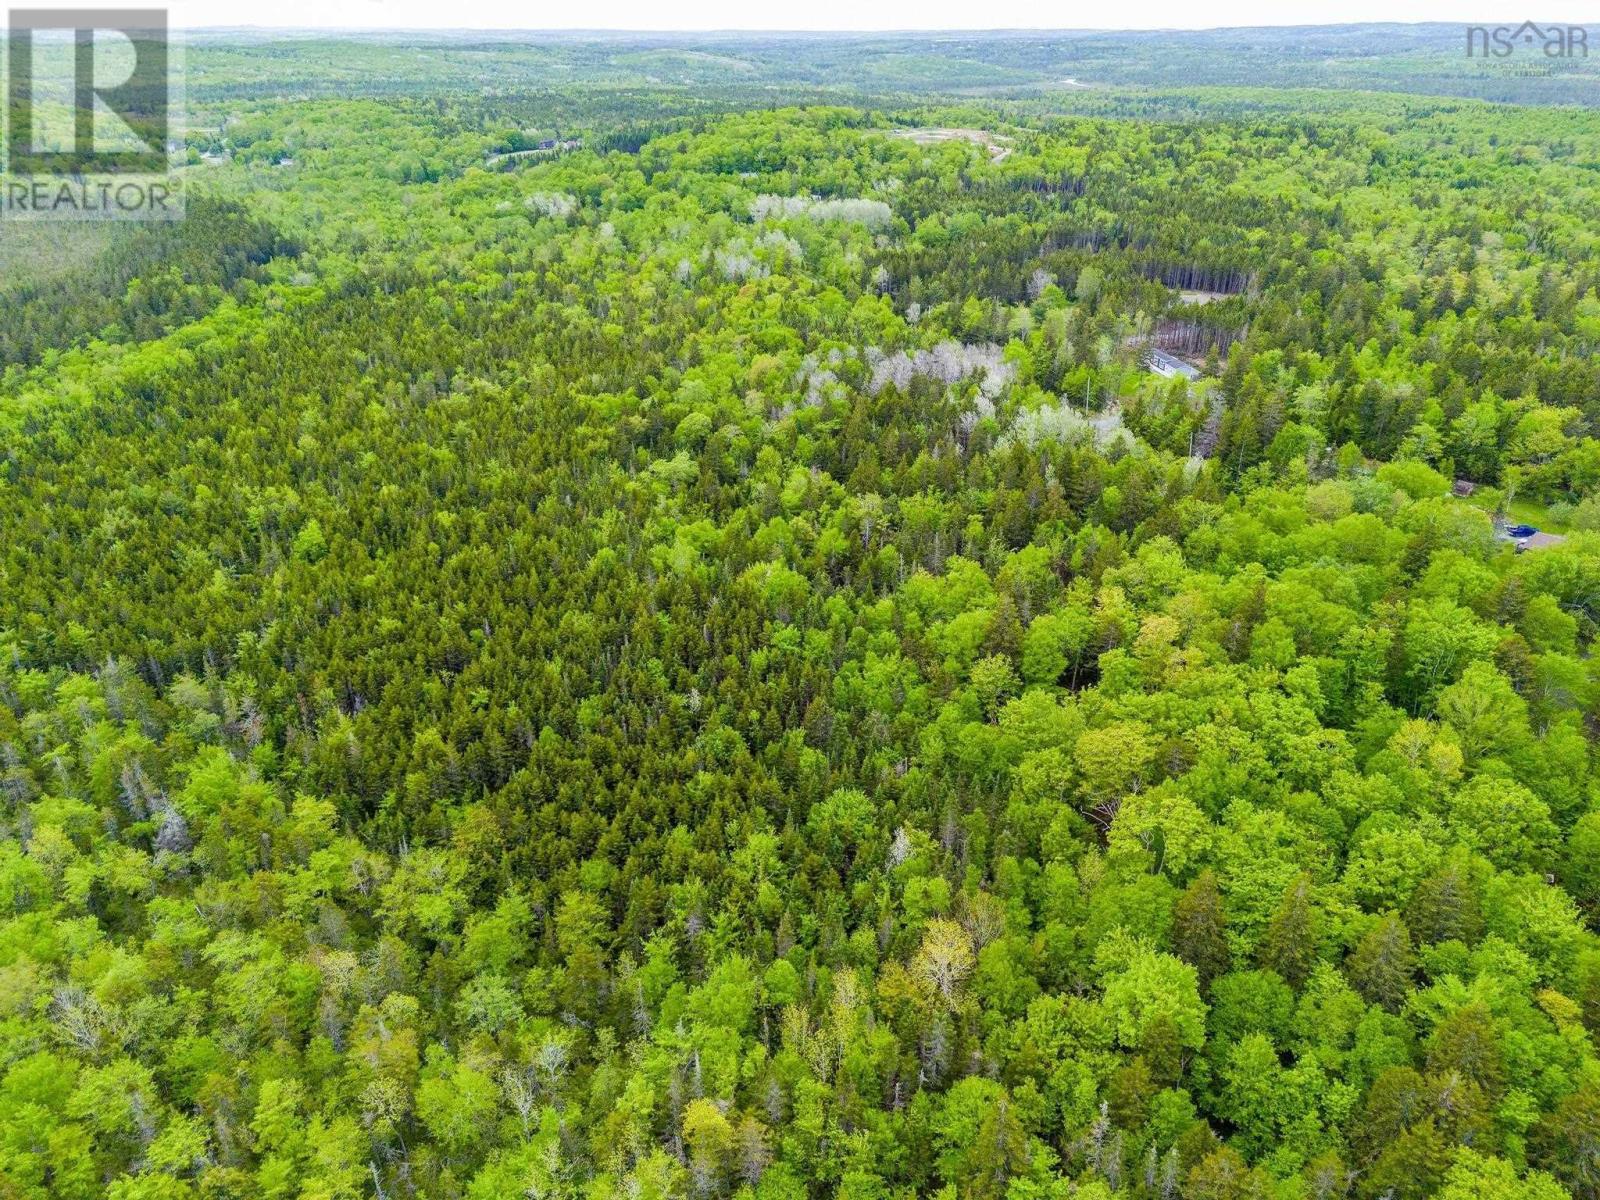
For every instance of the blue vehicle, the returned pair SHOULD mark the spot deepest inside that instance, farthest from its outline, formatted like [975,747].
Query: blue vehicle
[1520,531]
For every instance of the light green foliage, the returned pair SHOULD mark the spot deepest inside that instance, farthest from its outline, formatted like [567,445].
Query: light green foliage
[1143,986]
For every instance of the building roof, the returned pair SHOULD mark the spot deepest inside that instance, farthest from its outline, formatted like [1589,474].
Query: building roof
[1166,364]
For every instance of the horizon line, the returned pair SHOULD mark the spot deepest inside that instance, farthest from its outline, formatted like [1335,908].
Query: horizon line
[1023,30]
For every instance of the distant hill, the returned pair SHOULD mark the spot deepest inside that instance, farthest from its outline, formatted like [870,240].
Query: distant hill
[1429,59]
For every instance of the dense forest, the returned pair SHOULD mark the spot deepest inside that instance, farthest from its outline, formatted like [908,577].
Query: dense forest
[636,642]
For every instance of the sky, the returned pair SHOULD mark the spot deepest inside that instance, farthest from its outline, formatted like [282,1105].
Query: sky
[853,15]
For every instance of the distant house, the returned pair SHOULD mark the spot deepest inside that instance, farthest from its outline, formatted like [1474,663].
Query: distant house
[1539,541]
[1464,488]
[1169,366]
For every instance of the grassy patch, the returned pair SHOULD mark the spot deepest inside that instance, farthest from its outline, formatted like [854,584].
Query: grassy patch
[1520,511]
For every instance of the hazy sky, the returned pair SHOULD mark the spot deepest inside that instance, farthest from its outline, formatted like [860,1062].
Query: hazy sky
[854,14]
